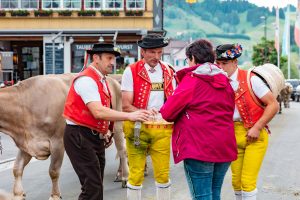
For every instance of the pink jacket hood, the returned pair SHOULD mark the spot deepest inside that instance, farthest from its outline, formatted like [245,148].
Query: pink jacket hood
[208,72]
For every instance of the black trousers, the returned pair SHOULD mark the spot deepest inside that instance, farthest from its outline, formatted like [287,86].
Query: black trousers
[87,155]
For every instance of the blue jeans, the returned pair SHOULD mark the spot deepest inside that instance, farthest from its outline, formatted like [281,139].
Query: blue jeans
[205,179]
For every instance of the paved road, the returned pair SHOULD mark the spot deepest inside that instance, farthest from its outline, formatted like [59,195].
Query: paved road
[279,177]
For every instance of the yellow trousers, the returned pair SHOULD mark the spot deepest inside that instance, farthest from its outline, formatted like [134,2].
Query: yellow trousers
[250,156]
[155,141]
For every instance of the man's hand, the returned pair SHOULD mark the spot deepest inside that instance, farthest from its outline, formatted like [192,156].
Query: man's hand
[153,111]
[252,134]
[139,115]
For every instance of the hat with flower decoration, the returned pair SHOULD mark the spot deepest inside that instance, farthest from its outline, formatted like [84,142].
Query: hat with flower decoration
[228,51]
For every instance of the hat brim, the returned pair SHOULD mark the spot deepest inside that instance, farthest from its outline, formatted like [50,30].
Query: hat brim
[116,53]
[154,46]
[228,58]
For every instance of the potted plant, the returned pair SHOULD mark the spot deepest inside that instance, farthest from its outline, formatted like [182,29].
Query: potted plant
[87,13]
[2,13]
[134,13]
[43,13]
[139,13]
[109,13]
[64,12]
[129,13]
[19,13]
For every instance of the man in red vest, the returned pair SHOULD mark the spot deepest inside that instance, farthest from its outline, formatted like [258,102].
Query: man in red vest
[250,121]
[146,84]
[88,115]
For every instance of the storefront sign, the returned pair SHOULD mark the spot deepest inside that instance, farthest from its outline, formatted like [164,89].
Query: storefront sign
[129,52]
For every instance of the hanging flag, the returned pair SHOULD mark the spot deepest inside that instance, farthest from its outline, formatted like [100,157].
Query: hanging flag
[277,45]
[297,26]
[286,34]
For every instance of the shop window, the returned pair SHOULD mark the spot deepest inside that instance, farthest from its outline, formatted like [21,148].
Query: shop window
[31,4]
[78,54]
[9,4]
[114,4]
[92,4]
[73,4]
[30,61]
[135,4]
[50,4]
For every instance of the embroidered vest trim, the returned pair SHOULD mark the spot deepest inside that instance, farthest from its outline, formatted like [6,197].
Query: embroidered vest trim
[142,84]
[248,109]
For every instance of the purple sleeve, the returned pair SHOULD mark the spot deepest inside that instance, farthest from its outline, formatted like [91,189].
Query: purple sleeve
[177,103]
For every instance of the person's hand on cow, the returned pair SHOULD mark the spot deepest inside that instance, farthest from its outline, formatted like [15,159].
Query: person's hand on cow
[108,140]
[139,115]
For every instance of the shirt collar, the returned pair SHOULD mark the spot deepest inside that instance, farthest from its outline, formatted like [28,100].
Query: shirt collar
[98,72]
[233,77]
[148,66]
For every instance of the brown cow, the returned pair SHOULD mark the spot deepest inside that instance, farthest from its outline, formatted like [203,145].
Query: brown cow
[31,113]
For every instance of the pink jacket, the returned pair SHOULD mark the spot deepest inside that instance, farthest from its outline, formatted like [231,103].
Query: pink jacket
[202,109]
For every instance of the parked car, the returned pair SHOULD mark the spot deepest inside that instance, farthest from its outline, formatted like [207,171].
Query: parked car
[295,83]
[297,94]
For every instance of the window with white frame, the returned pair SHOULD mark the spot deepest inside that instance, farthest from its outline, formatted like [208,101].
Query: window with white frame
[9,4]
[114,4]
[93,4]
[31,4]
[51,4]
[73,4]
[135,4]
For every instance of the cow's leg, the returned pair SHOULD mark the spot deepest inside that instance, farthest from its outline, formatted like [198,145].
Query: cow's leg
[121,148]
[22,160]
[118,177]
[57,155]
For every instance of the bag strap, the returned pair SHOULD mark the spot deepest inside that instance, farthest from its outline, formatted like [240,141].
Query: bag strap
[251,90]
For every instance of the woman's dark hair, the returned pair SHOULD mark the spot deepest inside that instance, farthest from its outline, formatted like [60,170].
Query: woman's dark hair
[202,50]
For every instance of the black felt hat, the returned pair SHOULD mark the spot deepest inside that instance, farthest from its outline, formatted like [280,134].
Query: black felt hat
[104,48]
[153,41]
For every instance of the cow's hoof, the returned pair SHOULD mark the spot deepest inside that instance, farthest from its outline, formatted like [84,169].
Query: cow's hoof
[124,184]
[118,177]
[55,197]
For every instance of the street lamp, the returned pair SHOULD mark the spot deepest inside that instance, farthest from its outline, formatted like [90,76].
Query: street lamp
[265,26]
[265,33]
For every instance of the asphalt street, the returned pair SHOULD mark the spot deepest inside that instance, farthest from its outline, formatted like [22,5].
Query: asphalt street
[279,177]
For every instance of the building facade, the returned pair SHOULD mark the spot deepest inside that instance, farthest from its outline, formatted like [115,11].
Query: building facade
[51,36]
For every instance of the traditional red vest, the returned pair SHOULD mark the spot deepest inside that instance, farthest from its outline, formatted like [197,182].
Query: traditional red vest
[249,111]
[76,111]
[142,83]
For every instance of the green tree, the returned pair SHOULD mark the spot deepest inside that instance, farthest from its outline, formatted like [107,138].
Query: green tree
[264,52]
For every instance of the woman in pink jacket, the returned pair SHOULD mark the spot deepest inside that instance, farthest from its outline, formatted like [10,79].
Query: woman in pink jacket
[202,108]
